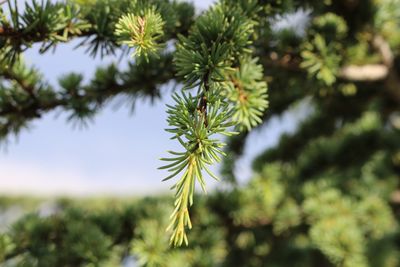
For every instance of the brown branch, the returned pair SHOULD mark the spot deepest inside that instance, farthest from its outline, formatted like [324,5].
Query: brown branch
[395,197]
[202,107]
[364,73]
[372,72]
[33,107]
[393,79]
[377,72]
[384,50]
[239,87]
[20,37]
[287,62]
[6,74]
[354,73]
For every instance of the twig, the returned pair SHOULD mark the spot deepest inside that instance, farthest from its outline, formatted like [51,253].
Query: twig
[202,108]
[366,73]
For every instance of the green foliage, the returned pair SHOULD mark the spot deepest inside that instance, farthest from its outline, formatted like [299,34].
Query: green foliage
[320,55]
[194,130]
[141,32]
[218,37]
[387,20]
[326,194]
[151,239]
[248,93]
[321,60]
[92,246]
[331,25]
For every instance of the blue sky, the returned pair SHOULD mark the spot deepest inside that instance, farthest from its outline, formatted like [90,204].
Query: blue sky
[117,154]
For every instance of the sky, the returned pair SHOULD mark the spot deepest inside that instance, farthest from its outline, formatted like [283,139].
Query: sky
[116,155]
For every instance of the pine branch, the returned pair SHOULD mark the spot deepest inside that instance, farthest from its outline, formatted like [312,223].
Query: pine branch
[7,74]
[52,23]
[205,59]
[351,73]
[82,101]
[20,36]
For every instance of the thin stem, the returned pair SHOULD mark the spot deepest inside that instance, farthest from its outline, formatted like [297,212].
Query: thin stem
[202,108]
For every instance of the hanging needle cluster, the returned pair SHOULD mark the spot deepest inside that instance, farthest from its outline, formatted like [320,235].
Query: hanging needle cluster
[201,149]
[214,58]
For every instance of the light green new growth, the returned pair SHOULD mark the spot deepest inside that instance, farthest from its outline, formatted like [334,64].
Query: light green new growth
[141,32]
[194,130]
[248,93]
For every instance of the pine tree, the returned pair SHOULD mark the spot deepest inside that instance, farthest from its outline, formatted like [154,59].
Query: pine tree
[325,195]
